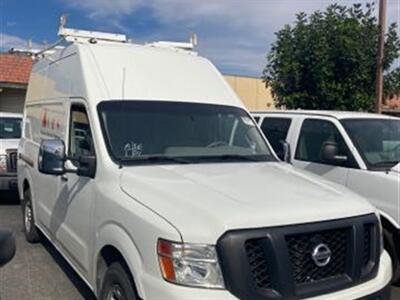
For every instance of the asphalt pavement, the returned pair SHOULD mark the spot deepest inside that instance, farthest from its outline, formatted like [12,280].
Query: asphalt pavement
[38,271]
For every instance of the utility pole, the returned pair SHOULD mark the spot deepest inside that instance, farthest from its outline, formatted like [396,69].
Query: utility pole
[380,57]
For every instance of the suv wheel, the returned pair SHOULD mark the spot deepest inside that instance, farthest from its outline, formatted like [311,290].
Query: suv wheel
[117,284]
[31,232]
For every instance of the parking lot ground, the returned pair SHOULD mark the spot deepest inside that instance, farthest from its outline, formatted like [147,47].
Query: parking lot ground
[38,272]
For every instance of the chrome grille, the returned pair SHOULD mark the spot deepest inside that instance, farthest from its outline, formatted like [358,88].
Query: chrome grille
[11,161]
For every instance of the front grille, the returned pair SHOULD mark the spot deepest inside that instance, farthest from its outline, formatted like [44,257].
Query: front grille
[11,161]
[258,263]
[301,246]
[370,250]
[278,263]
[367,244]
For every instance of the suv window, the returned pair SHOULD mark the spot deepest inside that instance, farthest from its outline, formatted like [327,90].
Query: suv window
[314,134]
[80,136]
[276,130]
[10,128]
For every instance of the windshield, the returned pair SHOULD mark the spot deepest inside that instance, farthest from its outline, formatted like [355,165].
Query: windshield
[173,132]
[378,140]
[10,128]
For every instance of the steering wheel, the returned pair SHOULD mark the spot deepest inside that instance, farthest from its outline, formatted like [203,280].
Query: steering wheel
[217,144]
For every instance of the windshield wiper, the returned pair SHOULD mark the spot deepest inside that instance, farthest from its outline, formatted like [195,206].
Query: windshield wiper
[225,157]
[382,164]
[150,159]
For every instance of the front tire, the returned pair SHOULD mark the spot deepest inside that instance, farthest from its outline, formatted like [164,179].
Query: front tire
[117,284]
[31,232]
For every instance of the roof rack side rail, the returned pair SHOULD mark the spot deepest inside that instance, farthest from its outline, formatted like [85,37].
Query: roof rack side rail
[43,51]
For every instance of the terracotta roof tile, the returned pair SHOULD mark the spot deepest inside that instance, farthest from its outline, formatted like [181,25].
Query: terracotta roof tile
[15,68]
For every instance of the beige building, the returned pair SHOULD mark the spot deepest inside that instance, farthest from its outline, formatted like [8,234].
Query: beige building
[252,91]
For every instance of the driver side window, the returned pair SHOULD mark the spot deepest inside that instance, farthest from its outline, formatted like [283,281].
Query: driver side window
[80,135]
[314,135]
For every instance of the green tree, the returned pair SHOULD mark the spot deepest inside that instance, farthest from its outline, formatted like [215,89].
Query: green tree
[327,60]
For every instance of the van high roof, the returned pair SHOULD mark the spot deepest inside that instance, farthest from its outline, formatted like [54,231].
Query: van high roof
[102,69]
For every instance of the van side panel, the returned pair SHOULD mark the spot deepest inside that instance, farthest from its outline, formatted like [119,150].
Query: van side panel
[42,121]
[60,79]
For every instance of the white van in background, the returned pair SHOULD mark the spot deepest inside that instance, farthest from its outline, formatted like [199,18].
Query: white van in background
[10,133]
[358,150]
[141,165]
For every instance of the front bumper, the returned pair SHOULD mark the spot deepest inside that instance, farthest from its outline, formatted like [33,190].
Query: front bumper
[377,288]
[8,181]
[383,294]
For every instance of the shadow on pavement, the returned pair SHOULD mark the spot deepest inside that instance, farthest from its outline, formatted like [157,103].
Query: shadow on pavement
[10,203]
[79,284]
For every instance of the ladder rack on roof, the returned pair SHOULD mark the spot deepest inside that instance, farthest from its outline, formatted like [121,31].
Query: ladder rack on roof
[78,35]
[71,35]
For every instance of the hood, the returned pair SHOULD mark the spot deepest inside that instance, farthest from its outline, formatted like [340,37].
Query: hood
[205,200]
[6,144]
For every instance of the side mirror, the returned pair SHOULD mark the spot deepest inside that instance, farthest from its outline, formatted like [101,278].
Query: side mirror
[287,152]
[329,153]
[52,157]
[7,247]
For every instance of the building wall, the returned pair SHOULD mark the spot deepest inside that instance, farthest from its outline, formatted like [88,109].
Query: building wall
[12,100]
[252,92]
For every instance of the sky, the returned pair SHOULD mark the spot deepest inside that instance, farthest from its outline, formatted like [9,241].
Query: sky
[234,34]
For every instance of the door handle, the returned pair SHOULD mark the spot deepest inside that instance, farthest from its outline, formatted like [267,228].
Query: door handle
[64,178]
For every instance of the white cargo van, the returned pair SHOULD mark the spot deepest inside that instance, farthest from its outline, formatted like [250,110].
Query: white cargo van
[10,133]
[144,169]
[358,150]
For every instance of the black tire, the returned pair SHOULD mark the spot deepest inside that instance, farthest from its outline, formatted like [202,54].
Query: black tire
[392,247]
[32,234]
[118,284]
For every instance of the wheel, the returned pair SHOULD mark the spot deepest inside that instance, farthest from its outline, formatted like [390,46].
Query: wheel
[31,232]
[392,248]
[117,284]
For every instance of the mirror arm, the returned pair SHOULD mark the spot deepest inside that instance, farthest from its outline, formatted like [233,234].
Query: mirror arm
[69,166]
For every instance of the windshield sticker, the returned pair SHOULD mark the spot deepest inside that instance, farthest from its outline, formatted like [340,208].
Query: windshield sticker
[247,121]
[133,149]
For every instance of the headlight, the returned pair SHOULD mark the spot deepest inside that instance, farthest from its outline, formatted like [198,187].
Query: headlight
[3,163]
[190,264]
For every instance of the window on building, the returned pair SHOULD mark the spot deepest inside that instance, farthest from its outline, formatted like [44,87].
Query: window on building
[276,130]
